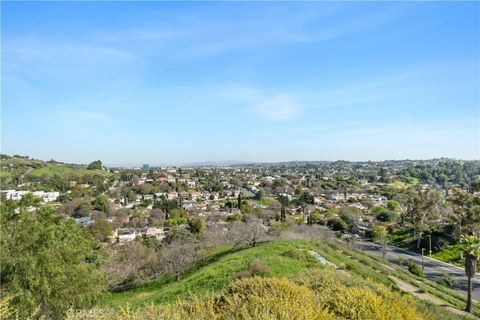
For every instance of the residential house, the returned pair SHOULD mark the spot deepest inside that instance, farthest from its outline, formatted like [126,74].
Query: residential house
[125,235]
[158,233]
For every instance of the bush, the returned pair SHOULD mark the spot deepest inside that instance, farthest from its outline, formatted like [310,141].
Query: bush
[387,216]
[351,297]
[253,298]
[321,294]
[337,224]
[379,234]
[264,298]
[447,281]
[416,270]
[256,268]
[47,263]
[412,267]
[295,254]
[196,225]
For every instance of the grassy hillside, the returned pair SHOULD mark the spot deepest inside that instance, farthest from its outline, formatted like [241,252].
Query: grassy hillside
[216,272]
[283,259]
[51,169]
[19,168]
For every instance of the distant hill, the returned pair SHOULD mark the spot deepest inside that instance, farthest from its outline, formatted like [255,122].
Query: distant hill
[216,163]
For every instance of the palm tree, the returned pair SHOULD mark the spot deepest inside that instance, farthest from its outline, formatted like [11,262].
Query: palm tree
[470,246]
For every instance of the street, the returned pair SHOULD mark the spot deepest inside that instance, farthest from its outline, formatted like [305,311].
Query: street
[434,269]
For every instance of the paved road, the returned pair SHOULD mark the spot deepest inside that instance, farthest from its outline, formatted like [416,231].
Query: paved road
[434,269]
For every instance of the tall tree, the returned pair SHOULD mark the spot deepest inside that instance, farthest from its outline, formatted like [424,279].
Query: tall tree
[196,225]
[47,262]
[95,165]
[465,217]
[283,215]
[423,212]
[470,246]
[239,200]
[102,203]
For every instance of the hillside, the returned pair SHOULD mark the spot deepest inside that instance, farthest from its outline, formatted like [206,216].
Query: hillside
[21,169]
[291,260]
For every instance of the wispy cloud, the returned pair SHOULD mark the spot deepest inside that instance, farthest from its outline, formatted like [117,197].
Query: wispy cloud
[274,106]
[278,107]
[34,49]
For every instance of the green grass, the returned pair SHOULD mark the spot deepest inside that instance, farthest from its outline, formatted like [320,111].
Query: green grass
[439,312]
[402,238]
[14,168]
[266,201]
[213,275]
[5,176]
[284,259]
[399,184]
[51,169]
[450,255]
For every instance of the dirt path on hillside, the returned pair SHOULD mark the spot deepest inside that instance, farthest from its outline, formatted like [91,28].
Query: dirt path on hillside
[407,287]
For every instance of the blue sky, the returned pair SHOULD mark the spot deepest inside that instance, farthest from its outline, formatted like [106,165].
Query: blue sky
[183,82]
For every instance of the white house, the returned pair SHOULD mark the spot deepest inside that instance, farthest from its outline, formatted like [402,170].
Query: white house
[50,196]
[153,232]
[125,235]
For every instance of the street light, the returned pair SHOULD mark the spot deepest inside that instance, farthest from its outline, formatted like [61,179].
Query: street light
[423,266]
[430,245]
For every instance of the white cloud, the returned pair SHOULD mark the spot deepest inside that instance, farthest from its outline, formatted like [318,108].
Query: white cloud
[278,107]
[270,105]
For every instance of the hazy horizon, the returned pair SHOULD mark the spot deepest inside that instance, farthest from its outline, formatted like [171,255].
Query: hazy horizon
[179,83]
[225,162]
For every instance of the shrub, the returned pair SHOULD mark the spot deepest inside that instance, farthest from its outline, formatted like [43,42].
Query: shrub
[295,254]
[447,281]
[412,267]
[387,216]
[321,294]
[46,261]
[256,268]
[264,298]
[351,297]
[253,298]
[337,224]
[379,234]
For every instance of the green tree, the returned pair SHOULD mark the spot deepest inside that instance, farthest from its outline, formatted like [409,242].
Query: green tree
[95,165]
[239,201]
[29,200]
[466,213]
[82,210]
[315,217]
[47,262]
[393,205]
[283,214]
[337,224]
[259,194]
[380,235]
[102,203]
[101,230]
[423,212]
[470,246]
[386,216]
[196,225]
